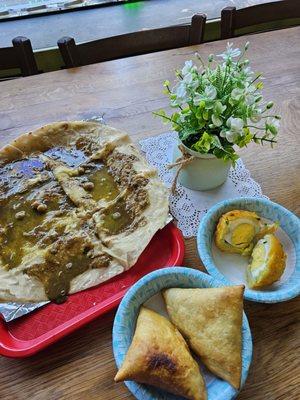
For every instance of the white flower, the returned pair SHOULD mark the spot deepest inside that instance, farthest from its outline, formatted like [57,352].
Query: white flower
[194,84]
[181,91]
[188,65]
[181,95]
[230,136]
[249,96]
[237,94]
[248,73]
[191,81]
[230,52]
[210,92]
[250,99]
[235,125]
[273,121]
[188,78]
[197,99]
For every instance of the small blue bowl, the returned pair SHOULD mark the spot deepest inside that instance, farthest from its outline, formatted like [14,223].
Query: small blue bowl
[125,320]
[289,234]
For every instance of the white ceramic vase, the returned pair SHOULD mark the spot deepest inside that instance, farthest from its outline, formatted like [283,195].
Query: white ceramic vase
[204,172]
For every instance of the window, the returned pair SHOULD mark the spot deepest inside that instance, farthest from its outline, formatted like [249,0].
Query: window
[22,8]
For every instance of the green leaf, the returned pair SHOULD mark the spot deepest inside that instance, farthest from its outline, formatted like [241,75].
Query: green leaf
[203,145]
[160,113]
[219,79]
[272,129]
[185,110]
[219,108]
[227,153]
[216,142]
[205,115]
[202,104]
[217,121]
[166,119]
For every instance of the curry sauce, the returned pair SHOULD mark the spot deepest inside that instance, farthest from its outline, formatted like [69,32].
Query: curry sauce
[36,211]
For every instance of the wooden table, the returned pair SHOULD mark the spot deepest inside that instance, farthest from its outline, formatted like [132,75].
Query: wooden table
[81,366]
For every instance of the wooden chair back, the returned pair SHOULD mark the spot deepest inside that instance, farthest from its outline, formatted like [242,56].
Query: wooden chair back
[232,19]
[132,44]
[20,55]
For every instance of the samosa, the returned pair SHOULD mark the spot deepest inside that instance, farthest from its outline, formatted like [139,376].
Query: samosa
[159,356]
[210,319]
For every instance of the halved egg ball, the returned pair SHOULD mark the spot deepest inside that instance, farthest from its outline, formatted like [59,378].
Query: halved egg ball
[268,262]
[238,231]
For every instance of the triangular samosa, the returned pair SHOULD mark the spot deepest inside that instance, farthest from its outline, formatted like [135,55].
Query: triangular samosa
[211,322]
[159,356]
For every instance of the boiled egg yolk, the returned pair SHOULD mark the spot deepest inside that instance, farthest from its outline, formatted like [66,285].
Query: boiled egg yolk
[268,262]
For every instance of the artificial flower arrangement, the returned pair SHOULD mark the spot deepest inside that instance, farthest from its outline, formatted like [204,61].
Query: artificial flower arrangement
[220,105]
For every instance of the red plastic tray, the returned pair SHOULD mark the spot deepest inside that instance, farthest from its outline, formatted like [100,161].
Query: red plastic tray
[37,330]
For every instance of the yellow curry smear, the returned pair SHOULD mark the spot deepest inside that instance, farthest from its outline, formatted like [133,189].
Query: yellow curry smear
[117,218]
[104,185]
[70,260]
[15,231]
[22,225]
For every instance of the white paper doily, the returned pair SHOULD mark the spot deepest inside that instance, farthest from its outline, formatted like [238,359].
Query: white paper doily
[188,206]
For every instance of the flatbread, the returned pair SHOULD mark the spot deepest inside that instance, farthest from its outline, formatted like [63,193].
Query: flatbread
[159,356]
[211,321]
[78,205]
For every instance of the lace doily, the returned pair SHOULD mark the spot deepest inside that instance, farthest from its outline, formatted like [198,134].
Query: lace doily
[188,206]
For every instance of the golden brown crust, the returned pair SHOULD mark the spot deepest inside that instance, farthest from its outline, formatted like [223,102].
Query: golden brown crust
[211,322]
[159,356]
[51,135]
[95,141]
[222,228]
[245,217]
[274,264]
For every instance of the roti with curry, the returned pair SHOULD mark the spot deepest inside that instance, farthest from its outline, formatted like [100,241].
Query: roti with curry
[78,205]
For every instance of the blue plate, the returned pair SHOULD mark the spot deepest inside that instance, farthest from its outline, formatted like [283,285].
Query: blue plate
[125,320]
[218,265]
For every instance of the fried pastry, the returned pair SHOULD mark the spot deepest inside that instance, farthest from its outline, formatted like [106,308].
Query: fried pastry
[159,356]
[238,231]
[268,262]
[211,321]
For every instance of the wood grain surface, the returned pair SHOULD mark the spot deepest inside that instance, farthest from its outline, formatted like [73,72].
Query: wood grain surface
[81,366]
